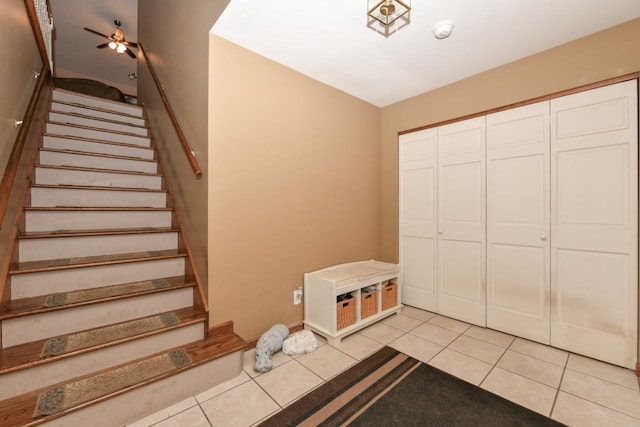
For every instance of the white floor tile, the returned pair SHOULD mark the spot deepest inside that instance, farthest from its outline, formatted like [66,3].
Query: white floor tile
[221,388]
[240,406]
[540,351]
[604,371]
[416,313]
[416,347]
[382,333]
[288,382]
[523,391]
[435,334]
[462,366]
[358,346]
[573,411]
[193,417]
[489,335]
[326,361]
[530,367]
[402,322]
[478,349]
[449,323]
[605,393]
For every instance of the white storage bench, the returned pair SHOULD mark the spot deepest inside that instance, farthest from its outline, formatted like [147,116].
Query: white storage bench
[343,299]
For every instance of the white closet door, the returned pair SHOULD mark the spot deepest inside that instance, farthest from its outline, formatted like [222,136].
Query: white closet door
[417,155]
[518,215]
[461,221]
[594,223]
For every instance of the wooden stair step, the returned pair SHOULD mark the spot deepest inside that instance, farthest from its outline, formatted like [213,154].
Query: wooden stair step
[92,261]
[18,411]
[96,118]
[90,187]
[97,102]
[105,232]
[27,355]
[40,304]
[85,169]
[116,132]
[97,141]
[88,153]
[63,106]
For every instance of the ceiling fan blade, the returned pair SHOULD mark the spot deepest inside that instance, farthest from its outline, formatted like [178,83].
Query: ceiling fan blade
[130,44]
[97,33]
[131,54]
[102,46]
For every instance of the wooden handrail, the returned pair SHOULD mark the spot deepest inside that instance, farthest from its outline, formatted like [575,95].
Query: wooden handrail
[183,140]
[37,34]
[16,152]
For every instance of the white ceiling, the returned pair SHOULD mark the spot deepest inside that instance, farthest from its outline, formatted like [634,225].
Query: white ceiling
[329,41]
[75,48]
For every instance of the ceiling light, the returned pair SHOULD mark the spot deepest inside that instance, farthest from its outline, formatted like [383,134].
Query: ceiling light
[388,16]
[133,76]
[113,45]
[442,30]
[121,48]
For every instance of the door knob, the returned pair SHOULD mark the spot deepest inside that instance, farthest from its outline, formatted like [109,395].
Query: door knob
[543,237]
[439,231]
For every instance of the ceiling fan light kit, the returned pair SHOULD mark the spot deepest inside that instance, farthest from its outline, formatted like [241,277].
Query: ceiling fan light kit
[388,16]
[116,41]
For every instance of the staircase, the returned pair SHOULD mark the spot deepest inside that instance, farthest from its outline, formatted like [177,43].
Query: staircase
[105,322]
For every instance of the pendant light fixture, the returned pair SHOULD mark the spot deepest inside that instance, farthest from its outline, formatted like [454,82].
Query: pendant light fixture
[388,16]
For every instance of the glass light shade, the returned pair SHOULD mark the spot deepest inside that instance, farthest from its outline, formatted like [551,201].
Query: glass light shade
[113,45]
[121,48]
[388,16]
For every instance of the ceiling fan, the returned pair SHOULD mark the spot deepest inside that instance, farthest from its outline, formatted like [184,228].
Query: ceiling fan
[116,41]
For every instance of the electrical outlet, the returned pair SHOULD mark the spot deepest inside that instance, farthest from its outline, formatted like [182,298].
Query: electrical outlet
[297,296]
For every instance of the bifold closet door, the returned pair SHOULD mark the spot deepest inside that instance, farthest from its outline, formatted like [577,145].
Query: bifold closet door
[461,221]
[418,175]
[594,249]
[518,216]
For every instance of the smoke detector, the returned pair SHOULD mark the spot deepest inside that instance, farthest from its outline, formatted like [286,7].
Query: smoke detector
[442,30]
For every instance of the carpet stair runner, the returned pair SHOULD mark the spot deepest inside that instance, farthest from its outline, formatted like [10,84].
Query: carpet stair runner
[104,309]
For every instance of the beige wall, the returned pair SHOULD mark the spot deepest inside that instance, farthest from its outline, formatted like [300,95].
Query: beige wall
[600,56]
[293,185]
[19,60]
[175,35]
[131,89]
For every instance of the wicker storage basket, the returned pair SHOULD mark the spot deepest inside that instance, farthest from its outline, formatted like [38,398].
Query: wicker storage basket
[346,313]
[368,304]
[389,295]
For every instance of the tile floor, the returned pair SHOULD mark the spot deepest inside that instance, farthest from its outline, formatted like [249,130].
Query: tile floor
[572,389]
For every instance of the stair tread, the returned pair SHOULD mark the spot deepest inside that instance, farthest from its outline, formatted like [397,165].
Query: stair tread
[119,132]
[94,98]
[99,170]
[27,355]
[88,153]
[65,263]
[92,208]
[104,232]
[104,110]
[18,411]
[36,305]
[90,187]
[97,141]
[101,119]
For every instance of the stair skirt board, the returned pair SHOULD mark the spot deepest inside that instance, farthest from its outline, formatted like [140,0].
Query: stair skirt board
[150,398]
[52,197]
[24,329]
[59,117]
[120,107]
[96,161]
[75,279]
[66,368]
[71,247]
[57,176]
[62,143]
[77,109]
[39,221]
[82,132]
